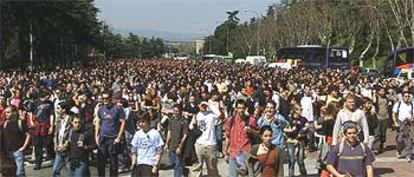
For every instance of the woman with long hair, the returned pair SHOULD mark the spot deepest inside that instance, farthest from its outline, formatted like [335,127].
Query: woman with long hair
[268,155]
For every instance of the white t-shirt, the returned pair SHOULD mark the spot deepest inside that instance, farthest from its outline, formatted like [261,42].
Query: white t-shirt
[205,122]
[357,116]
[145,145]
[307,106]
[367,93]
[404,112]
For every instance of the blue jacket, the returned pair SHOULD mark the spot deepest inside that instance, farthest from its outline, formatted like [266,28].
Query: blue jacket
[278,136]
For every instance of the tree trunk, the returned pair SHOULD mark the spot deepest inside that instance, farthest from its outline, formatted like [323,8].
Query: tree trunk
[361,57]
[374,58]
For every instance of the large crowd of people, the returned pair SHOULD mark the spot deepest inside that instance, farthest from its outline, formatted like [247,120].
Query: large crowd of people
[129,113]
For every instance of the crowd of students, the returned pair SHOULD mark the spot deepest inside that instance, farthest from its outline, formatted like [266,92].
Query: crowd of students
[131,112]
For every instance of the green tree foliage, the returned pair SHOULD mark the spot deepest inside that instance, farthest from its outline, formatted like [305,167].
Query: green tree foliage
[63,33]
[369,28]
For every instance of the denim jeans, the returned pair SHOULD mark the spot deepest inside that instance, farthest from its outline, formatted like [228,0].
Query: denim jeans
[232,167]
[19,160]
[124,157]
[61,160]
[176,161]
[404,144]
[107,149]
[296,154]
[219,136]
[81,171]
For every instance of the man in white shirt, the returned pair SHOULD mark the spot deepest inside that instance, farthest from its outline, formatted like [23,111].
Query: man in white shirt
[307,104]
[146,149]
[350,112]
[205,145]
[402,116]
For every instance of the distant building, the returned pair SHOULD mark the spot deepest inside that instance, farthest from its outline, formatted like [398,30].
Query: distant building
[199,45]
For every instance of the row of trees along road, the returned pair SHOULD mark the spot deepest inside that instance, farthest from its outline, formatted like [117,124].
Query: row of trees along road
[369,28]
[63,33]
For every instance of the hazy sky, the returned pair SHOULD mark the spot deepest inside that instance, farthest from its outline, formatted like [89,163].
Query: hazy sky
[196,16]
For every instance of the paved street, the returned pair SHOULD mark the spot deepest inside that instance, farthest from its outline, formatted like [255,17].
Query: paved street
[386,165]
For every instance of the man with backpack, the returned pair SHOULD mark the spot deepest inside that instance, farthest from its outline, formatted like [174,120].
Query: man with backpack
[42,122]
[350,157]
[239,130]
[381,107]
[403,120]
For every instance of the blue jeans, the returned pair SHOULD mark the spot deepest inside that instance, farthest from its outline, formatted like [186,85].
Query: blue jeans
[19,160]
[81,171]
[60,161]
[219,137]
[176,161]
[232,167]
[296,156]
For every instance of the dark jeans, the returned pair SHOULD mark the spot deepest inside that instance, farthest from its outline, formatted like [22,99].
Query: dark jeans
[219,137]
[39,142]
[380,134]
[124,158]
[404,143]
[296,154]
[82,170]
[8,167]
[107,149]
[143,171]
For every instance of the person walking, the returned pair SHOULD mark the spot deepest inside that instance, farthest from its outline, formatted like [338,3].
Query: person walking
[383,115]
[42,122]
[268,154]
[350,157]
[296,133]
[350,112]
[16,139]
[81,144]
[63,126]
[109,129]
[239,130]
[146,149]
[403,119]
[176,137]
[205,145]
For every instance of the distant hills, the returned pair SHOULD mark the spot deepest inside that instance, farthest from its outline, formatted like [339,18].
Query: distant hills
[166,35]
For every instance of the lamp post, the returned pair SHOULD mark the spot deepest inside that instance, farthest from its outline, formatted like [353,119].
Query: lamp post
[258,30]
